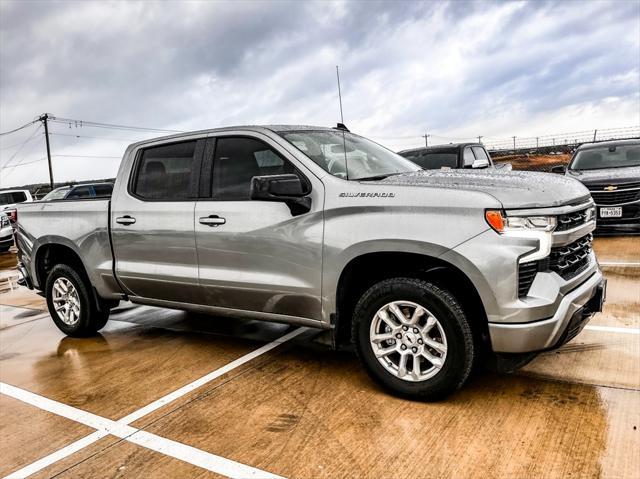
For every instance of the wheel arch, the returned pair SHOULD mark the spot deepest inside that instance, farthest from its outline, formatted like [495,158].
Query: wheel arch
[363,271]
[51,253]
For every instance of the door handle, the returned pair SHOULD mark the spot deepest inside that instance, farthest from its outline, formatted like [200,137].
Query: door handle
[212,220]
[125,220]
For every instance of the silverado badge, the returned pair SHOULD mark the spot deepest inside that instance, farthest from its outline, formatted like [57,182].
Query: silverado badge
[611,188]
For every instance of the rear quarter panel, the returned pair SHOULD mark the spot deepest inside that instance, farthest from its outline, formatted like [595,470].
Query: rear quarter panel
[80,225]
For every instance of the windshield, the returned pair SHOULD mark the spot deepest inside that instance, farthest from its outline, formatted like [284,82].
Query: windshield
[348,156]
[57,194]
[606,157]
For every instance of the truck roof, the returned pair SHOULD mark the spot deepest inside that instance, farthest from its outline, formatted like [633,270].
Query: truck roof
[609,143]
[441,148]
[256,128]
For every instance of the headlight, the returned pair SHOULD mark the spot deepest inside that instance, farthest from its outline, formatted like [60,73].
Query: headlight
[505,224]
[533,227]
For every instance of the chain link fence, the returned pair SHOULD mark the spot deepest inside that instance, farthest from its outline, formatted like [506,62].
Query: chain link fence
[544,152]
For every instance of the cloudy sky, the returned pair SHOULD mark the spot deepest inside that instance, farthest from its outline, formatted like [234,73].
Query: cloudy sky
[455,70]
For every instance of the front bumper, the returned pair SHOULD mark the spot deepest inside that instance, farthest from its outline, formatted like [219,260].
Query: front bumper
[573,312]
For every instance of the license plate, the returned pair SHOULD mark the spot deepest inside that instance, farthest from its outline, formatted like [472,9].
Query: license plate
[612,212]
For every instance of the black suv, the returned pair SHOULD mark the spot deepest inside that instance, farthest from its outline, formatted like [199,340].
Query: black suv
[611,172]
[458,155]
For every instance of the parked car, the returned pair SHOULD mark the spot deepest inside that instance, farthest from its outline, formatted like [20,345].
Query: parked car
[6,233]
[423,271]
[458,155]
[9,199]
[611,172]
[81,191]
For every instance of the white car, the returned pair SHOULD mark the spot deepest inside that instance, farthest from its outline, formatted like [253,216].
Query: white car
[10,198]
[6,233]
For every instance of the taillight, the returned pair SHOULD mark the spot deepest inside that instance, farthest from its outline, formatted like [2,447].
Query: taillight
[13,216]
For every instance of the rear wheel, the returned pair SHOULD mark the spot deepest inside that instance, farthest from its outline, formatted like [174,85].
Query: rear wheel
[413,338]
[71,304]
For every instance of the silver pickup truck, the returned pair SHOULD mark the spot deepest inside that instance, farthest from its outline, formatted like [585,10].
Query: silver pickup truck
[423,271]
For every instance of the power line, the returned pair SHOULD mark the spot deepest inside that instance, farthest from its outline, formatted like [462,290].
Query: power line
[95,124]
[15,153]
[7,147]
[94,137]
[23,163]
[19,128]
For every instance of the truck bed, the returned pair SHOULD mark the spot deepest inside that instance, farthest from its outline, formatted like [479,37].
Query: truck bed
[81,225]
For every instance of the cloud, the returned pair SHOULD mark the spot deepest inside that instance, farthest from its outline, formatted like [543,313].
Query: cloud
[454,69]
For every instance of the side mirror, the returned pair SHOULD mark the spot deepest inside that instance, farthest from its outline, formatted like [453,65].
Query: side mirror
[288,189]
[560,169]
[480,164]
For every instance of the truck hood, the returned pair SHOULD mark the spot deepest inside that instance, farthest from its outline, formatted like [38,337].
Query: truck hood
[606,175]
[514,189]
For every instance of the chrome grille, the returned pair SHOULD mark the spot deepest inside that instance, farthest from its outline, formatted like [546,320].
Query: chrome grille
[572,220]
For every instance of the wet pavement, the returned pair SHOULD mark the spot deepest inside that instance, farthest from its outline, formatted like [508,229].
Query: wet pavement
[298,409]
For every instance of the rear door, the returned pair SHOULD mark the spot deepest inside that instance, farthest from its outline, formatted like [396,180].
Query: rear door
[257,255]
[152,223]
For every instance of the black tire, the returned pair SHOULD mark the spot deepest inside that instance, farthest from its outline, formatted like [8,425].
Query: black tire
[449,313]
[91,319]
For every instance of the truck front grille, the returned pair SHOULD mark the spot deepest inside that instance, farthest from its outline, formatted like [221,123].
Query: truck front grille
[526,274]
[572,220]
[570,260]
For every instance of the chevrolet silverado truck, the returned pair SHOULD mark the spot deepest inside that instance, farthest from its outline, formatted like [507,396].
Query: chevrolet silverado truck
[422,271]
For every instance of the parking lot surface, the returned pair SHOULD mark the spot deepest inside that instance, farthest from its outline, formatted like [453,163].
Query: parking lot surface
[164,393]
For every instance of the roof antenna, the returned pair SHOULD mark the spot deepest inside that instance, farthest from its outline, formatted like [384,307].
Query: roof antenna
[339,94]
[341,125]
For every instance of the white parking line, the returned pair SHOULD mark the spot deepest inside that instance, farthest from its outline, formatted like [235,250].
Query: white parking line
[618,263]
[142,438]
[58,455]
[613,329]
[189,454]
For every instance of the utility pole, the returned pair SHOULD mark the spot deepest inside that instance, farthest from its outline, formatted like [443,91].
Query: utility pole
[426,139]
[537,143]
[514,143]
[479,139]
[595,132]
[43,119]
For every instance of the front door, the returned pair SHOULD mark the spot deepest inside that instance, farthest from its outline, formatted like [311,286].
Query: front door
[257,255]
[152,223]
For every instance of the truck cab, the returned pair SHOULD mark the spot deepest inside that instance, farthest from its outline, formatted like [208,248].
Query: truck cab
[451,156]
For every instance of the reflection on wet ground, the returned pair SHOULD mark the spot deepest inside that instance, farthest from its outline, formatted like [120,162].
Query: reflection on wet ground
[305,411]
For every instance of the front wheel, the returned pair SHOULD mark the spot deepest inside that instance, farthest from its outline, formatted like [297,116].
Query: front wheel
[413,338]
[71,304]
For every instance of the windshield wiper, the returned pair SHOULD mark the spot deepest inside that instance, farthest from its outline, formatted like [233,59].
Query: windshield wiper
[377,177]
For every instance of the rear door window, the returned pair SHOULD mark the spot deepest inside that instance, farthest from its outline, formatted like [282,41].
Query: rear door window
[103,191]
[12,197]
[80,192]
[434,161]
[168,172]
